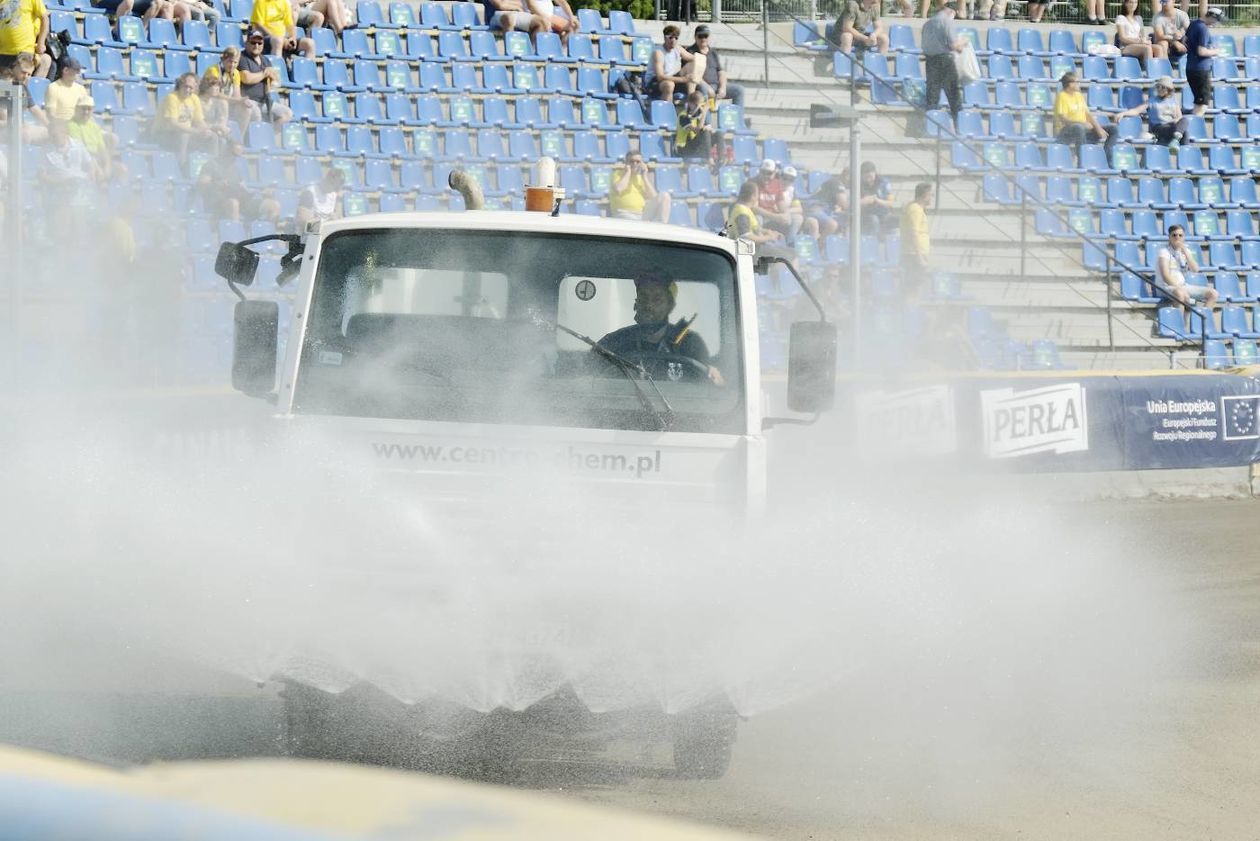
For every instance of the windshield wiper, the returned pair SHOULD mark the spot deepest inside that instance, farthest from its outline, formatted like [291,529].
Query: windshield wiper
[633,371]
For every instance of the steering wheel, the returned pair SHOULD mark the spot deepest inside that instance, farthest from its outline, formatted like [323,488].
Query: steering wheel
[657,364]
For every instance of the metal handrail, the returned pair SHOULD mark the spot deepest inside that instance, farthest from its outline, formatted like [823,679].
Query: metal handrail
[1100,243]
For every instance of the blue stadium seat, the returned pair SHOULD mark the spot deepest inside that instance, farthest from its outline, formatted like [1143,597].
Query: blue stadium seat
[1000,67]
[1135,288]
[590,21]
[378,175]
[1029,41]
[1032,67]
[1095,68]
[580,47]
[1171,324]
[1127,68]
[1234,321]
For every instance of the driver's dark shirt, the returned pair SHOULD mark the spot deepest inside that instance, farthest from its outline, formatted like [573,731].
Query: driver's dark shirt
[634,339]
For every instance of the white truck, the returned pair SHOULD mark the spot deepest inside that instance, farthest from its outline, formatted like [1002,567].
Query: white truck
[458,345]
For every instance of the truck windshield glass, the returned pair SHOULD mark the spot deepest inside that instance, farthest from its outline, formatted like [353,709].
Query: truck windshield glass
[459,326]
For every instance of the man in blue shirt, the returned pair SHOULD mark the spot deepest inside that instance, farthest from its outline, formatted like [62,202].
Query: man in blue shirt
[1199,55]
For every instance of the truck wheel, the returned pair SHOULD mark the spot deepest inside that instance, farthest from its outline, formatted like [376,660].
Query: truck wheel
[703,744]
[305,722]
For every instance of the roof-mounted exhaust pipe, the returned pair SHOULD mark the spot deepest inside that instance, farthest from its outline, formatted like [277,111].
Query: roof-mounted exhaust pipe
[467,186]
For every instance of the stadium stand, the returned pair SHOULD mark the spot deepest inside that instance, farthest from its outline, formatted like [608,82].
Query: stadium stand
[416,90]
[1117,208]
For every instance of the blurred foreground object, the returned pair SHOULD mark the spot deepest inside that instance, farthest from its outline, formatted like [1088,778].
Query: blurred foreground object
[46,797]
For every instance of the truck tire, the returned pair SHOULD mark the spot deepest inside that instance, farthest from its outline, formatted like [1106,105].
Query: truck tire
[305,722]
[703,743]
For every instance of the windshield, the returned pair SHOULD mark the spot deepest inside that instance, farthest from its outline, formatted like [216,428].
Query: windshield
[462,326]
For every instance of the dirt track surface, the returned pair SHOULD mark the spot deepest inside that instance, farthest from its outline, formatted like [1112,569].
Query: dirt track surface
[1184,763]
[1176,758]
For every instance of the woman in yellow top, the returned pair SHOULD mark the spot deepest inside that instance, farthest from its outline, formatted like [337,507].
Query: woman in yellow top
[632,195]
[1074,125]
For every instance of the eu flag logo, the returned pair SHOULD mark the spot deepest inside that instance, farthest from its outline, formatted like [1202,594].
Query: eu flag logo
[1240,417]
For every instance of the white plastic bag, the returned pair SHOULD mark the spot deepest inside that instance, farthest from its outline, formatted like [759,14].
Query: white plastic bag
[967,63]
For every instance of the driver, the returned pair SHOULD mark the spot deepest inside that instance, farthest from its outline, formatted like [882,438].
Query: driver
[652,331]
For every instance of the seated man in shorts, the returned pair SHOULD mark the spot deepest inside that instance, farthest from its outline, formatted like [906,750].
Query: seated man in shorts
[671,68]
[257,79]
[555,16]
[1171,267]
[508,15]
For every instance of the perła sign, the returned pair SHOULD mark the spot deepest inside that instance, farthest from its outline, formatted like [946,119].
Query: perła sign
[1040,420]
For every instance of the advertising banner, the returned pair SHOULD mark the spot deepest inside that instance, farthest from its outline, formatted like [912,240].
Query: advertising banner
[1080,422]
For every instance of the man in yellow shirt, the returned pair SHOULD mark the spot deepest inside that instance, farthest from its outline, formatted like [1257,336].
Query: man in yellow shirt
[632,194]
[65,94]
[916,244]
[24,29]
[100,144]
[181,123]
[275,17]
[742,221]
[1074,125]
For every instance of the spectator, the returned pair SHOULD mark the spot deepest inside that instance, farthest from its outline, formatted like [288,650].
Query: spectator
[742,222]
[35,121]
[227,78]
[1168,28]
[791,205]
[256,79]
[214,105]
[631,195]
[1074,124]
[1037,8]
[223,189]
[114,8]
[916,244]
[556,16]
[332,13]
[940,43]
[769,200]
[1163,114]
[64,95]
[713,76]
[306,16]
[275,18]
[1131,35]
[993,9]
[1172,265]
[320,201]
[1199,55]
[829,207]
[680,10]
[665,67]
[1095,14]
[199,10]
[101,145]
[181,121]
[694,137]
[876,202]
[166,9]
[24,29]
[509,15]
[859,27]
[68,174]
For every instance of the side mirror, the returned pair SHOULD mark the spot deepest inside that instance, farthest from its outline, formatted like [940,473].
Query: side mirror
[236,264]
[254,344]
[812,366]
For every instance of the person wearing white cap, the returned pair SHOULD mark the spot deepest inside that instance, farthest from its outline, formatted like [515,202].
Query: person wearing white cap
[1163,114]
[100,144]
[1199,55]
